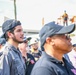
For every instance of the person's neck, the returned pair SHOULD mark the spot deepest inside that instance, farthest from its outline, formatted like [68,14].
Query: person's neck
[35,50]
[56,55]
[13,43]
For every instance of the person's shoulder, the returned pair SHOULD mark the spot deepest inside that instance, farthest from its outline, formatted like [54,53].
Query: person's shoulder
[4,50]
[42,66]
[66,14]
[43,61]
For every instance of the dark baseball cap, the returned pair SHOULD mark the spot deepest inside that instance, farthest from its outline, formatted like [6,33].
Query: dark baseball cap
[74,45]
[2,41]
[51,29]
[27,39]
[8,25]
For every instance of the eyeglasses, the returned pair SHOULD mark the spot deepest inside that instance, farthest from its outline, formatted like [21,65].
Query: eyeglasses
[67,36]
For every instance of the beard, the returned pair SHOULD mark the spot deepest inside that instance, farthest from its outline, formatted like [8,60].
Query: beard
[35,49]
[14,39]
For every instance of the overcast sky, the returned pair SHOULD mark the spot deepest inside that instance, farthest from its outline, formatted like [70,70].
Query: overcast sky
[31,12]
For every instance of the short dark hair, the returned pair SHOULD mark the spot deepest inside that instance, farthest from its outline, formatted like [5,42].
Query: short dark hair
[11,31]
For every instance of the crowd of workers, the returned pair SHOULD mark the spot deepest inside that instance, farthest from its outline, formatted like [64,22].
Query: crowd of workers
[51,54]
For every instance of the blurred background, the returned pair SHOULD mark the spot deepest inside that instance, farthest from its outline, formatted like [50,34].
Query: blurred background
[35,13]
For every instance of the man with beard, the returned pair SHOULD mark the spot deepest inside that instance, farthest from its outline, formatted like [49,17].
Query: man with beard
[11,61]
[35,49]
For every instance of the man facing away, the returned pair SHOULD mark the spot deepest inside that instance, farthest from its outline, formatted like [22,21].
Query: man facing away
[11,61]
[56,43]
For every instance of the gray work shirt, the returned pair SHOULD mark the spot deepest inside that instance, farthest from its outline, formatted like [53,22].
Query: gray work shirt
[11,61]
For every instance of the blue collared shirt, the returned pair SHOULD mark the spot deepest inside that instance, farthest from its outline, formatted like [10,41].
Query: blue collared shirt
[11,61]
[48,65]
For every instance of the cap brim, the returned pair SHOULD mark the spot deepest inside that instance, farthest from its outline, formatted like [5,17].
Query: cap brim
[67,29]
[27,38]
[74,45]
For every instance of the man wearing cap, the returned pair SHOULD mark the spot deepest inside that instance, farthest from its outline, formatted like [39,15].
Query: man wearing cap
[28,58]
[11,61]
[56,43]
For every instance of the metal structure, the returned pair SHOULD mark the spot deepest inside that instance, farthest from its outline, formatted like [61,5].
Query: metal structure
[15,11]
[30,31]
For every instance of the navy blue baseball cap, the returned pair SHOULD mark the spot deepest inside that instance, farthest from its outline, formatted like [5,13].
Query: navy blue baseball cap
[74,45]
[2,41]
[8,25]
[51,29]
[26,39]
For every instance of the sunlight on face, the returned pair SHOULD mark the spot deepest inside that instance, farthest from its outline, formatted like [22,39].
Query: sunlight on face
[18,33]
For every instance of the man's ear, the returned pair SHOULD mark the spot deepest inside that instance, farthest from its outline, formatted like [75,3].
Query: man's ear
[49,40]
[9,34]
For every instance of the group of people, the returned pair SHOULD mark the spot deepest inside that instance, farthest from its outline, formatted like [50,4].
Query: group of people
[15,59]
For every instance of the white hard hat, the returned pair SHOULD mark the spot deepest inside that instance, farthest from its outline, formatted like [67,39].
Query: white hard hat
[33,41]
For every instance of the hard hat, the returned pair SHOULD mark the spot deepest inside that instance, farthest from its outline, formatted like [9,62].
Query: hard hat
[33,41]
